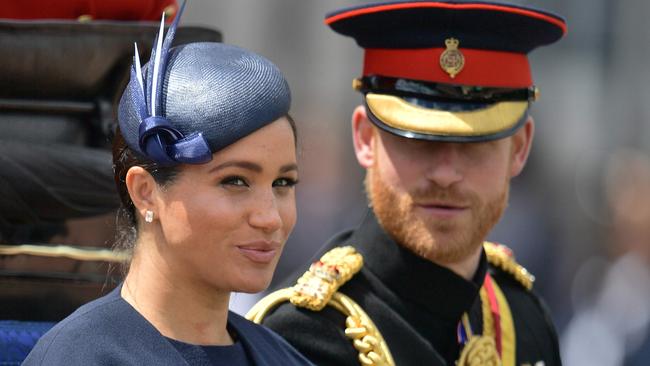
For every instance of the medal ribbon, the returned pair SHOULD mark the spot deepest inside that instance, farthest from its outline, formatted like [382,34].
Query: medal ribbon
[493,311]
[464,330]
[491,317]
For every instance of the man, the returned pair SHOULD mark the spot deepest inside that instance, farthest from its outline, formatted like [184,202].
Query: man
[443,129]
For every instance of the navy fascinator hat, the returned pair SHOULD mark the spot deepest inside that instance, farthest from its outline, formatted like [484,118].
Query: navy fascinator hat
[192,100]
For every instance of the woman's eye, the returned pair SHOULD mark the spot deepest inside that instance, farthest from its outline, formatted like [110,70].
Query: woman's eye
[234,181]
[285,182]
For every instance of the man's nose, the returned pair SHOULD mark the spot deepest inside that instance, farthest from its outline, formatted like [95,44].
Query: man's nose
[444,165]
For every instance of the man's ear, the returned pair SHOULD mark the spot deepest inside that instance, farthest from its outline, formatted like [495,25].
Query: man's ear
[363,137]
[522,141]
[142,188]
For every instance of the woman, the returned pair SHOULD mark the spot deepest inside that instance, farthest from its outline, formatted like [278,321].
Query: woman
[205,163]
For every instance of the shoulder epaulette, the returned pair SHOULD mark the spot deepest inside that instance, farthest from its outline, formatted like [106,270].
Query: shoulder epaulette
[318,287]
[315,288]
[501,256]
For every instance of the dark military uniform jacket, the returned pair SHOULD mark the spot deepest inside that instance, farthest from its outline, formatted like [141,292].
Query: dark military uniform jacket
[416,305]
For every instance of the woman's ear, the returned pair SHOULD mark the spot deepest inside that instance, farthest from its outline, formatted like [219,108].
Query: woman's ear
[142,188]
[522,141]
[363,137]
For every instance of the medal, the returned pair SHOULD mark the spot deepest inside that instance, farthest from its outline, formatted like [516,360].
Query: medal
[486,348]
[479,351]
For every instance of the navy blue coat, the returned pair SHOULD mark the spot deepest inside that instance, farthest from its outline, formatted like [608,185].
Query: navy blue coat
[109,331]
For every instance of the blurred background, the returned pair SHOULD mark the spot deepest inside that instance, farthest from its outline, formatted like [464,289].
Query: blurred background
[579,215]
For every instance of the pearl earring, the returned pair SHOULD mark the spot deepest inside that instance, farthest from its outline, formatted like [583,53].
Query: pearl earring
[148,216]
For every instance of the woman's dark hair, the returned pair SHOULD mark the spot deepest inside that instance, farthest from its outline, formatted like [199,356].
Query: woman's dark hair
[124,158]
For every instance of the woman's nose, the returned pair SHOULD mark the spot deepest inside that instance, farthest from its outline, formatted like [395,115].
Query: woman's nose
[265,214]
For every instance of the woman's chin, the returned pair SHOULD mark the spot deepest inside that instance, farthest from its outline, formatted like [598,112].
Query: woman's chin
[251,289]
[253,286]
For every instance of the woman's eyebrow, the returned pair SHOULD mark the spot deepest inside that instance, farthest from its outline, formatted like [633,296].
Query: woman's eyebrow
[288,168]
[238,163]
[251,166]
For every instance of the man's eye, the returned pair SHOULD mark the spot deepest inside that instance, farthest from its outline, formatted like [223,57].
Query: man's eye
[234,181]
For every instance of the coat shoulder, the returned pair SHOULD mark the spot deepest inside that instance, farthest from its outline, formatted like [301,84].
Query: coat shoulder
[267,342]
[66,343]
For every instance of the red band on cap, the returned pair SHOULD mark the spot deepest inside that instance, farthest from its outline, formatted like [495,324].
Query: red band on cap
[482,68]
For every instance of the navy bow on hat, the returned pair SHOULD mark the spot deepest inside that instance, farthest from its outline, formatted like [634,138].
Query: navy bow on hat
[158,139]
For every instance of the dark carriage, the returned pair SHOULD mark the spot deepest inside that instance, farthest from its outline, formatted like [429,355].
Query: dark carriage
[59,81]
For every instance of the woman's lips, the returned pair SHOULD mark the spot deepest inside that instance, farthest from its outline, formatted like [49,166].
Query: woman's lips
[262,252]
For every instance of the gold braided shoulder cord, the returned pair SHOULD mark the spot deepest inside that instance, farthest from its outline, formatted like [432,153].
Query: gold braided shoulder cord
[480,349]
[366,338]
[258,312]
[502,257]
[318,288]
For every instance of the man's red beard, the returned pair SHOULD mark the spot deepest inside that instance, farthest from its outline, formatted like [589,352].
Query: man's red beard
[436,240]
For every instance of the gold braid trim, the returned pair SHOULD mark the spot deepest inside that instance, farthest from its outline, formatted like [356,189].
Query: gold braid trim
[501,257]
[480,349]
[488,319]
[258,312]
[78,253]
[318,288]
[508,334]
[366,338]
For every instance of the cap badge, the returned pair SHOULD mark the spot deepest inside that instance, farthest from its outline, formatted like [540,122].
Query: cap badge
[452,60]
